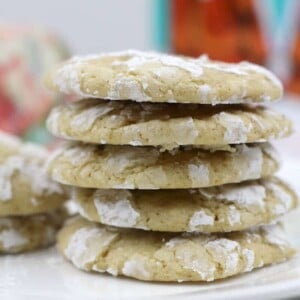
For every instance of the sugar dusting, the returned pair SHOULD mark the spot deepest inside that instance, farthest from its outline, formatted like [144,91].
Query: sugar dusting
[236,131]
[252,160]
[200,218]
[249,257]
[135,268]
[68,76]
[87,243]
[11,238]
[198,173]
[84,120]
[275,235]
[227,250]
[115,209]
[249,194]
[233,216]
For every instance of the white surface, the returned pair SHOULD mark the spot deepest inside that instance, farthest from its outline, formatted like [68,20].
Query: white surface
[87,26]
[45,275]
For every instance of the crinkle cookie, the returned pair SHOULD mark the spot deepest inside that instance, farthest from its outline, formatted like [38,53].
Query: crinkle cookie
[155,256]
[21,234]
[154,77]
[231,207]
[152,124]
[25,186]
[129,167]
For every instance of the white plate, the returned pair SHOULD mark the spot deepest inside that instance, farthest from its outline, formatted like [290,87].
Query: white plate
[45,275]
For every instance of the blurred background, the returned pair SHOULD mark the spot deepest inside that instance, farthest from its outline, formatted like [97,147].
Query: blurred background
[34,35]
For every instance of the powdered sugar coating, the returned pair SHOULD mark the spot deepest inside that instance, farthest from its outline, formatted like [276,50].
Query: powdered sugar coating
[200,218]
[233,216]
[202,266]
[75,154]
[112,271]
[271,151]
[10,140]
[185,132]
[236,131]
[10,238]
[275,235]
[41,183]
[68,77]
[256,120]
[264,71]
[85,120]
[53,120]
[198,173]
[136,59]
[135,143]
[86,244]
[253,161]
[125,185]
[174,242]
[285,197]
[253,194]
[204,90]
[33,170]
[227,250]
[128,86]
[135,268]
[115,211]
[132,74]
[7,169]
[127,159]
[23,169]
[249,256]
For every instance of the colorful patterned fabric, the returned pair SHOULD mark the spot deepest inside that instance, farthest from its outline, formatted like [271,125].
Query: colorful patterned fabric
[25,54]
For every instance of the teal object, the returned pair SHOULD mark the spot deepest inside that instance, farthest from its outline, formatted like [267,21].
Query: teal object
[38,134]
[161,25]
[279,7]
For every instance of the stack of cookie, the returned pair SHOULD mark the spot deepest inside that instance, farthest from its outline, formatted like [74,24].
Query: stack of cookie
[30,202]
[173,153]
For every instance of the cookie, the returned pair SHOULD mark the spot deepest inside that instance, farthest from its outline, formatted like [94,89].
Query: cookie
[224,208]
[155,256]
[129,167]
[168,125]
[25,186]
[21,234]
[154,77]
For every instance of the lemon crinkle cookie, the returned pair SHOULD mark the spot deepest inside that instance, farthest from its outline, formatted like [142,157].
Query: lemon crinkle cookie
[155,77]
[21,234]
[25,186]
[129,167]
[231,207]
[155,256]
[150,124]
